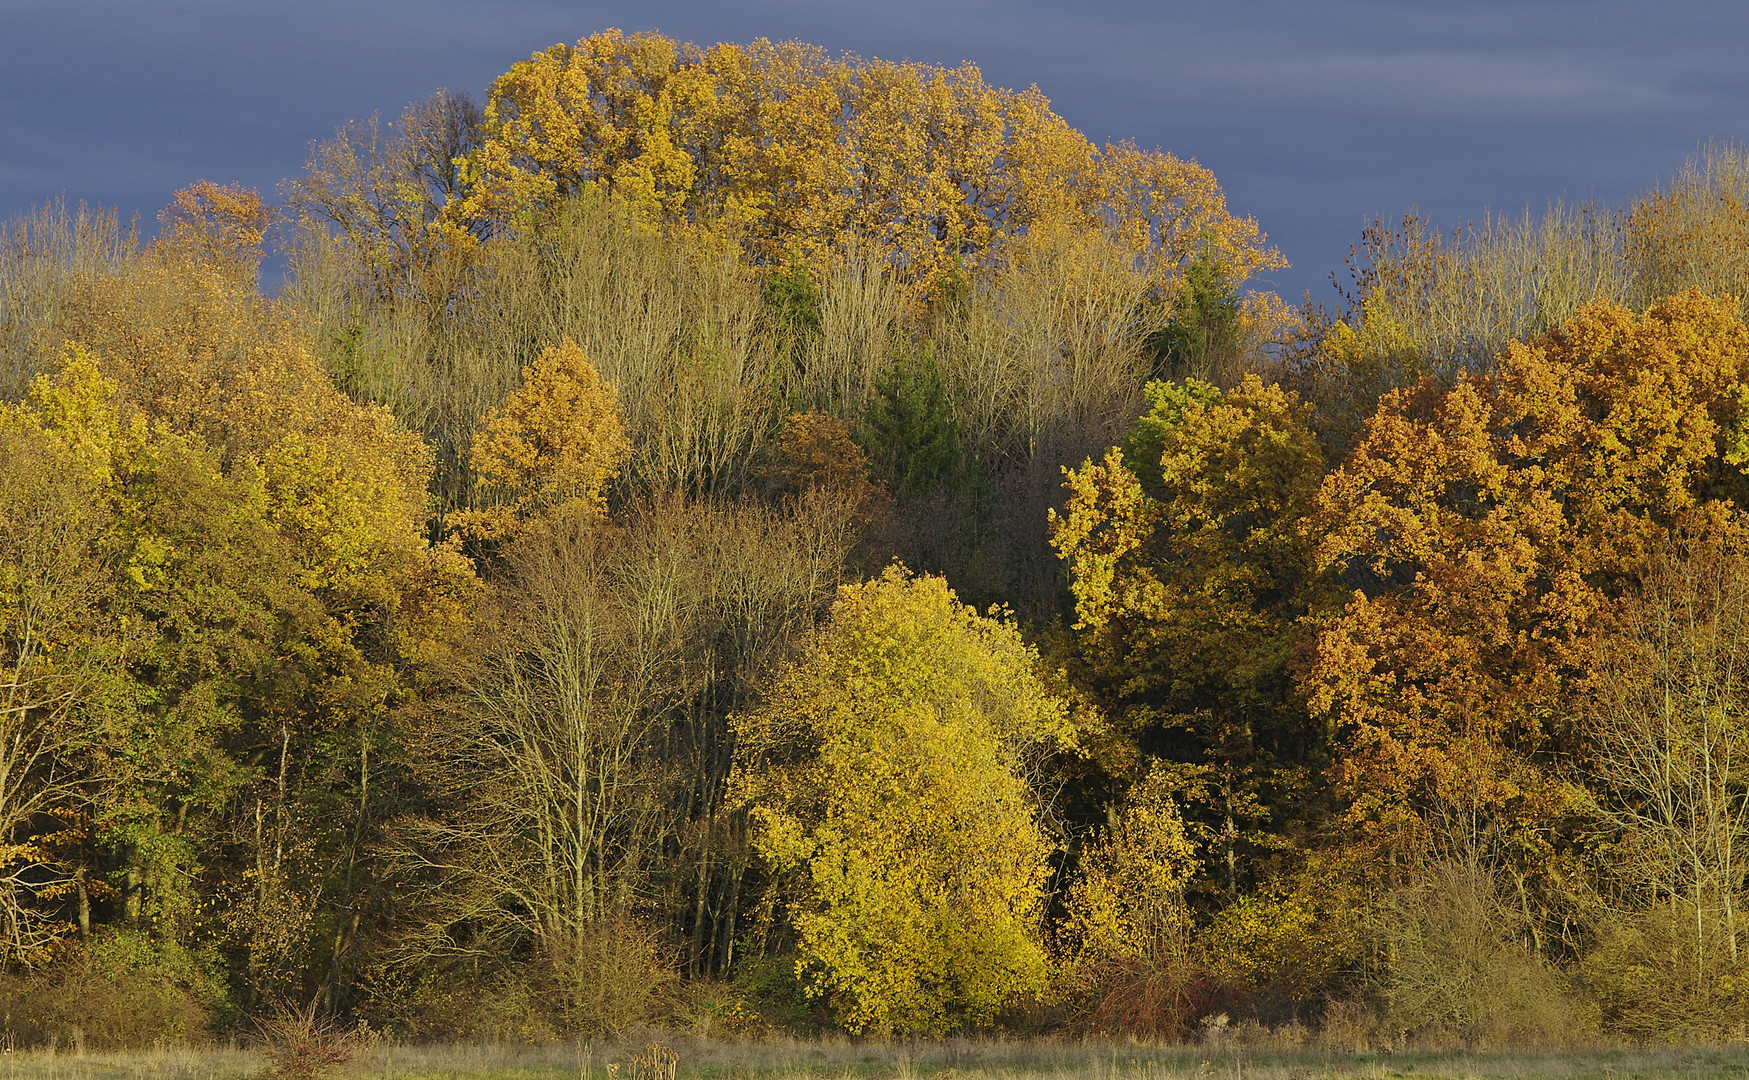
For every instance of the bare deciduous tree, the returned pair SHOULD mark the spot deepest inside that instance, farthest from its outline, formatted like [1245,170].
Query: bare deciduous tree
[1670,727]
[51,261]
[584,783]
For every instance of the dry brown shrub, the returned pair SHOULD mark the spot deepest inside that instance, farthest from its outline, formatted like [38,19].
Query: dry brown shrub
[1152,997]
[612,980]
[115,994]
[1651,983]
[300,1044]
[1458,966]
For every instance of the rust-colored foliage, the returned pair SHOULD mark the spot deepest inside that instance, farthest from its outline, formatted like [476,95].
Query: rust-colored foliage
[817,452]
[1483,531]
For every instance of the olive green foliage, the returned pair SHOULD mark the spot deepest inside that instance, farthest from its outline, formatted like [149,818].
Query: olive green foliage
[1205,336]
[912,441]
[1190,560]
[791,303]
[1164,421]
[887,781]
[124,985]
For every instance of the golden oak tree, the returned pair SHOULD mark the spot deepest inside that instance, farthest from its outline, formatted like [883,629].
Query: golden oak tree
[886,777]
[219,225]
[1483,531]
[795,153]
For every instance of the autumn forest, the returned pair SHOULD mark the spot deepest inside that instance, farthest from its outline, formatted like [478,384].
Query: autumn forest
[758,541]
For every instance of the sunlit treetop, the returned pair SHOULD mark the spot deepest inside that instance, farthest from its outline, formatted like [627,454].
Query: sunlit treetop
[795,152]
[556,441]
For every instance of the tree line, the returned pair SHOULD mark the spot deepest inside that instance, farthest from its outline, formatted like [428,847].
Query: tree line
[771,541]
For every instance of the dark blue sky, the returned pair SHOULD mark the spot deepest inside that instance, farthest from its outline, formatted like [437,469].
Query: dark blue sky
[1315,116]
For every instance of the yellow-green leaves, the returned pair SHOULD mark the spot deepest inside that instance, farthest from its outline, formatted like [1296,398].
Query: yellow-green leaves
[1205,504]
[887,780]
[1128,903]
[1190,561]
[1188,548]
[205,549]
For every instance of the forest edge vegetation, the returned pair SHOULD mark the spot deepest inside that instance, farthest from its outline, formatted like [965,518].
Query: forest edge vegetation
[758,540]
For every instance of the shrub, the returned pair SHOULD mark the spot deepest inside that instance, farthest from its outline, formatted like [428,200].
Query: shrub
[122,990]
[1127,922]
[302,1045]
[1655,979]
[1457,964]
[611,981]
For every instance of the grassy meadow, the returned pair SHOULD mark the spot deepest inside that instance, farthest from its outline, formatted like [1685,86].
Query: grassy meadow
[959,1059]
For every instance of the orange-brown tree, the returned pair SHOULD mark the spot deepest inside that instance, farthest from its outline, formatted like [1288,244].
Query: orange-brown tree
[1482,531]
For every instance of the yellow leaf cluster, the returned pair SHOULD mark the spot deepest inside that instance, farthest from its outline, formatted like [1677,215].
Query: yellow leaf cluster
[1186,547]
[220,403]
[887,783]
[1128,903]
[557,441]
[1289,940]
[217,225]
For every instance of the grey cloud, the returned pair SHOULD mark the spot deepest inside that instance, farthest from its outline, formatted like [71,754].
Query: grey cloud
[1467,85]
[1315,116]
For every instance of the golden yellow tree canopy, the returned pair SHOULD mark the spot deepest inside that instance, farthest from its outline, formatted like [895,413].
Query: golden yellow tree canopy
[887,780]
[796,152]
